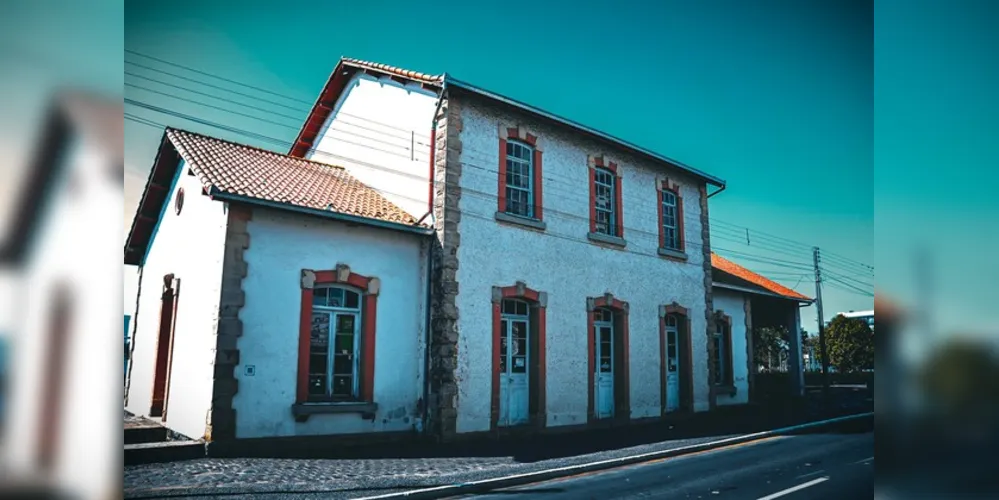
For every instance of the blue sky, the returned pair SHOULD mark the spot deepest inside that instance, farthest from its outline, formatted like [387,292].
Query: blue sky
[773,96]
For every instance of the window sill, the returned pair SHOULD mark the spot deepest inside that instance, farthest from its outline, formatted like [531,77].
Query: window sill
[672,254]
[302,411]
[607,239]
[725,390]
[521,221]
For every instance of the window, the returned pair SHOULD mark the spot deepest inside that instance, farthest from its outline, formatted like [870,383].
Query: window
[334,344]
[606,223]
[722,346]
[604,182]
[520,193]
[519,179]
[336,339]
[670,218]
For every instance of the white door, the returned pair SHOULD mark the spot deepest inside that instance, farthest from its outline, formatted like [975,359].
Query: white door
[514,370]
[672,356]
[605,369]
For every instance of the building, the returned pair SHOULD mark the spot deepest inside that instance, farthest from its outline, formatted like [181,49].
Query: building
[482,261]
[865,316]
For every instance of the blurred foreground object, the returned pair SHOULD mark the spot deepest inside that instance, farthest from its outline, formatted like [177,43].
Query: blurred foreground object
[59,261]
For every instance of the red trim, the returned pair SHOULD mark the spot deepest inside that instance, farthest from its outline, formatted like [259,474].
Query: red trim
[305,324]
[369,321]
[539,381]
[495,392]
[591,365]
[622,391]
[619,203]
[659,217]
[501,196]
[593,200]
[164,348]
[662,366]
[539,206]
[369,318]
[53,386]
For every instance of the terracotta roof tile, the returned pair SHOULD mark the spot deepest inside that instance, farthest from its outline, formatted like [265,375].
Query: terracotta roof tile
[414,75]
[257,173]
[738,271]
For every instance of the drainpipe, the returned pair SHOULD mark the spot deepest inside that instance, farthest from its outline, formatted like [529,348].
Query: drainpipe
[427,358]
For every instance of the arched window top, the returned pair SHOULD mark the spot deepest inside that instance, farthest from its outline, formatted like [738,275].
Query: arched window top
[336,296]
[672,320]
[516,307]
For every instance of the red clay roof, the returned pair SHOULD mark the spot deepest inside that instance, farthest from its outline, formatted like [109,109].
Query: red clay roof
[247,171]
[767,284]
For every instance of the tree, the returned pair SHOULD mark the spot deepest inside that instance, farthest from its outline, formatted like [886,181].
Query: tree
[962,378]
[770,346]
[849,344]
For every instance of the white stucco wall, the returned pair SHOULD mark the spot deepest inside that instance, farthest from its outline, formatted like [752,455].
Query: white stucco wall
[69,251]
[191,246]
[379,131]
[570,268]
[733,304]
[281,245]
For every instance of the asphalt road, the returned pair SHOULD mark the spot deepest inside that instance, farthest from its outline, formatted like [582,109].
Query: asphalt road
[812,466]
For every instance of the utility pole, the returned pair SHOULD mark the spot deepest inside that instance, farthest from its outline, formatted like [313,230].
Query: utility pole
[822,328]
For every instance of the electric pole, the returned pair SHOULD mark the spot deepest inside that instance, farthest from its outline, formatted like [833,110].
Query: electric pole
[822,328]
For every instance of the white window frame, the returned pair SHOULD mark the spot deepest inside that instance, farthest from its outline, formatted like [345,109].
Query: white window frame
[528,164]
[334,312]
[671,233]
[611,212]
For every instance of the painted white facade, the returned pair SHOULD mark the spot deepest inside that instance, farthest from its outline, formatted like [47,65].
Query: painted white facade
[732,304]
[282,244]
[71,253]
[567,266]
[379,131]
[191,246]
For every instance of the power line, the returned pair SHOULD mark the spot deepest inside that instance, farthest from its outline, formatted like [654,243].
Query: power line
[205,73]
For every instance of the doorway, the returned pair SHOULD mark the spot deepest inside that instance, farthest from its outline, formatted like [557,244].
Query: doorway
[515,363]
[164,347]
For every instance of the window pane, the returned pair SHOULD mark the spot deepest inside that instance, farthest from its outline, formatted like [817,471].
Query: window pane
[345,324]
[343,364]
[335,297]
[343,386]
[519,364]
[351,299]
[318,353]
[319,296]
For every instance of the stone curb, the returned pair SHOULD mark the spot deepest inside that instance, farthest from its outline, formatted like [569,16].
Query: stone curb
[545,475]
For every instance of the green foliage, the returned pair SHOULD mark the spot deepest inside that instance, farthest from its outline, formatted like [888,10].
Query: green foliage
[849,344]
[962,377]
[770,345]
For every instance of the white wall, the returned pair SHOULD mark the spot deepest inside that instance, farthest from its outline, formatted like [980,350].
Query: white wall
[281,245]
[566,265]
[379,131]
[191,246]
[74,253]
[733,304]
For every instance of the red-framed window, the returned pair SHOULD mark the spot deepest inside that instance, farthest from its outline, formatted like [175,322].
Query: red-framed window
[520,191]
[671,235]
[721,351]
[336,343]
[606,215]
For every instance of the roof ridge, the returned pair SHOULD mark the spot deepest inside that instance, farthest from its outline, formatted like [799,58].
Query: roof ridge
[418,75]
[255,148]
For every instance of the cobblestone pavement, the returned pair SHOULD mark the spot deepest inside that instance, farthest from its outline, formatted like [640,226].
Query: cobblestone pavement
[339,478]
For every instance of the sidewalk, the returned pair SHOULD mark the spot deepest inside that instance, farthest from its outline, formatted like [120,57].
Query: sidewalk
[357,477]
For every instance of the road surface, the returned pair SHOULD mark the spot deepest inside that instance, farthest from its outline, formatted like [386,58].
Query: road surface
[812,466]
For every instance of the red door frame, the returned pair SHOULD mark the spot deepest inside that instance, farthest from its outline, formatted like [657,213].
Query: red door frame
[164,347]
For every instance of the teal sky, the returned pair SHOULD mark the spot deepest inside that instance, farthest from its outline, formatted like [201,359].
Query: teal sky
[773,96]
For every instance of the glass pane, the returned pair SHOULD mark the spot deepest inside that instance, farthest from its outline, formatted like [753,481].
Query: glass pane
[509,307]
[343,364]
[336,297]
[522,308]
[504,341]
[344,344]
[351,299]
[320,332]
[345,323]
[319,296]
[343,386]
[519,364]
[605,335]
[317,384]
[605,364]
